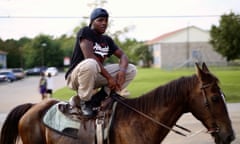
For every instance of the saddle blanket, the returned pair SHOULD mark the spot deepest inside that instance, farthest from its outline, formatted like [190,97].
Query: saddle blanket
[59,122]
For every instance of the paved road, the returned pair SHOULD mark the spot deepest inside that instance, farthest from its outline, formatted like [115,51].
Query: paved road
[199,132]
[13,94]
[23,91]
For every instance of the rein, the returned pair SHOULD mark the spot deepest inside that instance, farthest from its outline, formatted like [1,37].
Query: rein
[118,99]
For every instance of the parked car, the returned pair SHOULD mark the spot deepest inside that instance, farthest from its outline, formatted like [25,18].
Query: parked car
[19,73]
[52,70]
[35,71]
[9,76]
[3,78]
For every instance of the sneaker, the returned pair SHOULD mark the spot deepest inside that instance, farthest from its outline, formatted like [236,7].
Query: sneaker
[98,98]
[87,109]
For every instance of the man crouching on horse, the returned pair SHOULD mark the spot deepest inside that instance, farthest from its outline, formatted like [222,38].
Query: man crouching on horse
[87,71]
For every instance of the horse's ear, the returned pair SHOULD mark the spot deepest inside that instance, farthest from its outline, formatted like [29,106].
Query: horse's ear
[199,72]
[204,67]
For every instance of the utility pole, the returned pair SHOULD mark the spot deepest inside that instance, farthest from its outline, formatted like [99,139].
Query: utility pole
[43,45]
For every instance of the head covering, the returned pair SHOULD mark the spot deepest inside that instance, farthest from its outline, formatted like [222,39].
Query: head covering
[98,12]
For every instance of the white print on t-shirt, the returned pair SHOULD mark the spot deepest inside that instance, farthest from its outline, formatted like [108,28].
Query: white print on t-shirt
[102,51]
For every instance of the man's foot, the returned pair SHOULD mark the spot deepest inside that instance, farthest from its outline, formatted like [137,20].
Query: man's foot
[98,98]
[87,109]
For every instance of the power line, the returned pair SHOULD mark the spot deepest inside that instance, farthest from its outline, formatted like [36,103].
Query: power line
[169,16]
[116,17]
[41,17]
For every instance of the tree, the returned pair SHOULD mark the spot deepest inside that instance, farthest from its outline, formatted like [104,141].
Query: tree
[66,44]
[21,43]
[144,54]
[11,47]
[43,50]
[226,36]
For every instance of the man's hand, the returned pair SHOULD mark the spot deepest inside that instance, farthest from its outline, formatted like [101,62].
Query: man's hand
[112,84]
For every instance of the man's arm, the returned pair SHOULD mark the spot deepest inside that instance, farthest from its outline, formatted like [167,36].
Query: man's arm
[123,64]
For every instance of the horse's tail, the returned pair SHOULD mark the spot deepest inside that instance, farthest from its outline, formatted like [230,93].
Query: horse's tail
[9,132]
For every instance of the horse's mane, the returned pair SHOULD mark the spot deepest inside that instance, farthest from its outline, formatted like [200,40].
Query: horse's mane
[174,91]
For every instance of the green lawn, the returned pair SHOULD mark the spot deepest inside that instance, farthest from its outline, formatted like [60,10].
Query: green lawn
[149,78]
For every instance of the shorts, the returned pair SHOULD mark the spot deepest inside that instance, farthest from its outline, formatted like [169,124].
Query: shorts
[49,91]
[43,90]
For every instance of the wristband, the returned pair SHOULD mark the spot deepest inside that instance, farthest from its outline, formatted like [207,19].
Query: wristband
[122,69]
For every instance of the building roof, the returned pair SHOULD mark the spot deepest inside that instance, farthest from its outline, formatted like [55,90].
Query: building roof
[169,34]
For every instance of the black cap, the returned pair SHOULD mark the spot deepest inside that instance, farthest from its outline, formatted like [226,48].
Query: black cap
[98,12]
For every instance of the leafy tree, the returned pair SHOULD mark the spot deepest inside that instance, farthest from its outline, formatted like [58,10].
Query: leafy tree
[66,44]
[43,51]
[144,54]
[53,54]
[11,47]
[226,36]
[1,44]
[14,49]
[21,43]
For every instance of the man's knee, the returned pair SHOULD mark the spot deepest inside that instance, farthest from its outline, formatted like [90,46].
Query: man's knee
[132,70]
[90,65]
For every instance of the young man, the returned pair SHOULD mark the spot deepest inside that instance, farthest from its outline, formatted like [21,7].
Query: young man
[49,85]
[87,71]
[43,86]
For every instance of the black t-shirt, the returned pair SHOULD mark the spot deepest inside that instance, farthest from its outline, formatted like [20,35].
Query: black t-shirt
[103,47]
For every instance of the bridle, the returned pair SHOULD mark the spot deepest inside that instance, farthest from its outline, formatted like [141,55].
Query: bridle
[203,87]
[214,129]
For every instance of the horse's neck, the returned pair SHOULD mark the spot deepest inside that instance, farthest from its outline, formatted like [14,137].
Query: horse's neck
[158,113]
[161,109]
[165,107]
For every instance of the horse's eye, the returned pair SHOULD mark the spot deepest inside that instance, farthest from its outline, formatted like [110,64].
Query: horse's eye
[215,98]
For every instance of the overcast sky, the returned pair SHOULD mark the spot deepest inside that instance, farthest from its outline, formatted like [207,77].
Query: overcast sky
[147,18]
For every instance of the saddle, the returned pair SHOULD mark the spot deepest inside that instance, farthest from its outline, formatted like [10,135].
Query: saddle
[76,126]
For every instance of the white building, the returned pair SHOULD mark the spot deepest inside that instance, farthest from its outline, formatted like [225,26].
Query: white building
[184,47]
[3,59]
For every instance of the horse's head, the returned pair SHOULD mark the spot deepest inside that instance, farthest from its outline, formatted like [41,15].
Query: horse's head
[208,105]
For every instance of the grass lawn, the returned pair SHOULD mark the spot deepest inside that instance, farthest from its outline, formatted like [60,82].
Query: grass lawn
[149,78]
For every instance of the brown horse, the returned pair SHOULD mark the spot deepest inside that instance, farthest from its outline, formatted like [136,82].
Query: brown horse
[199,94]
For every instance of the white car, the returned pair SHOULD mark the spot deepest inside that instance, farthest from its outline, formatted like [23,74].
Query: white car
[19,73]
[52,70]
